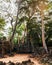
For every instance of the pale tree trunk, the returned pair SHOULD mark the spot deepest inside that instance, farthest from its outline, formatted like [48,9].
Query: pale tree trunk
[43,35]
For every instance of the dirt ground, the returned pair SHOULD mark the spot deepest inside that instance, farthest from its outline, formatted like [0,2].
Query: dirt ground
[19,58]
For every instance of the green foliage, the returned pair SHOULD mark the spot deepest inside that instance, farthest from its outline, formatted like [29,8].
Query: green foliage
[15,40]
[4,38]
[34,31]
[50,5]
[23,18]
[1,35]
[48,29]
[2,23]
[33,28]
[28,8]
[20,29]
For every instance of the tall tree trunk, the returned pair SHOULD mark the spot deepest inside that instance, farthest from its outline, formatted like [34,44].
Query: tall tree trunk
[43,35]
[14,29]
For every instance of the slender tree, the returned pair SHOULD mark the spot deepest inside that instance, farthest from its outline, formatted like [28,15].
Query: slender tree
[42,6]
[14,29]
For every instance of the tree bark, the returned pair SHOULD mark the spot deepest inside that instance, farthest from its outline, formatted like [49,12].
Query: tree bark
[43,35]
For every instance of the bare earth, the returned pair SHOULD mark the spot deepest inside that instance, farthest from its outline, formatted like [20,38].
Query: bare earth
[19,58]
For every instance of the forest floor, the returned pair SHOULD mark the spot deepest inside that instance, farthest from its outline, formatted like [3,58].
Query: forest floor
[20,58]
[39,59]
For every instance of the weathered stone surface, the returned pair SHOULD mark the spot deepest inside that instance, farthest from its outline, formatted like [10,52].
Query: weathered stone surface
[28,62]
